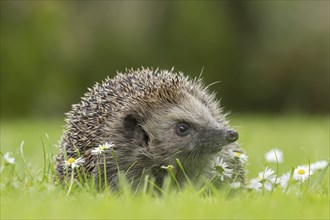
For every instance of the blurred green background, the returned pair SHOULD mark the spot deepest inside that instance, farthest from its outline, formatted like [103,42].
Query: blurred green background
[270,56]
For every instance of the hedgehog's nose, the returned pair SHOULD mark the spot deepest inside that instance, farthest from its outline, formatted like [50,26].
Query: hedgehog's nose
[231,136]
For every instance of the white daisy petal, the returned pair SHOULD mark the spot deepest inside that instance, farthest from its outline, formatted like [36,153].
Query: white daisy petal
[268,185]
[301,173]
[167,167]
[318,165]
[255,184]
[267,174]
[73,163]
[273,156]
[8,158]
[284,180]
[235,185]
[243,158]
[102,148]
[222,169]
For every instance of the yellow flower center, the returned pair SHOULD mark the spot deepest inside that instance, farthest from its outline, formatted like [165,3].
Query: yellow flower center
[301,171]
[238,154]
[71,160]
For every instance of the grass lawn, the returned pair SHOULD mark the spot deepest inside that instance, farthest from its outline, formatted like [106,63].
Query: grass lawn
[301,138]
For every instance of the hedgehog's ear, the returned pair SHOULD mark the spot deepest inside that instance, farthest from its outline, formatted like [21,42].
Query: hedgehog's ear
[133,130]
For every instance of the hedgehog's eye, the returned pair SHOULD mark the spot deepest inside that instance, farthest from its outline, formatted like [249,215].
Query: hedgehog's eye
[182,129]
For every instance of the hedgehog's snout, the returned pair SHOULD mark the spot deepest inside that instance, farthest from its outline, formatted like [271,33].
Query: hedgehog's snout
[231,135]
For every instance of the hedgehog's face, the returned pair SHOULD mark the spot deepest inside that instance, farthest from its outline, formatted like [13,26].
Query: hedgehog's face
[188,128]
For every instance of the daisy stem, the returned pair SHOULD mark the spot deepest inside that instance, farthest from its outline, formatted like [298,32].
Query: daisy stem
[71,183]
[184,173]
[276,176]
[13,171]
[45,159]
[309,174]
[229,188]
[145,184]
[26,169]
[115,158]
[105,172]
[289,181]
[174,178]
[319,179]
[99,176]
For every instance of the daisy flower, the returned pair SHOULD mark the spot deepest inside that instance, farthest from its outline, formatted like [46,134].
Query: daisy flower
[73,163]
[271,183]
[268,179]
[235,185]
[284,180]
[273,156]
[268,185]
[8,158]
[167,167]
[240,156]
[222,169]
[101,148]
[318,165]
[267,174]
[301,173]
[255,185]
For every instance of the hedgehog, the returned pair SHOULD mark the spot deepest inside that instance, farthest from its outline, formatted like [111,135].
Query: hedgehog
[154,119]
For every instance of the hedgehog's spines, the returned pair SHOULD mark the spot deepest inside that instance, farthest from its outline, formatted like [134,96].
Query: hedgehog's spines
[136,95]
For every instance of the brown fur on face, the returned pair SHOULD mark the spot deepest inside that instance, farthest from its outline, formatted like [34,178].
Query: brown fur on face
[143,112]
